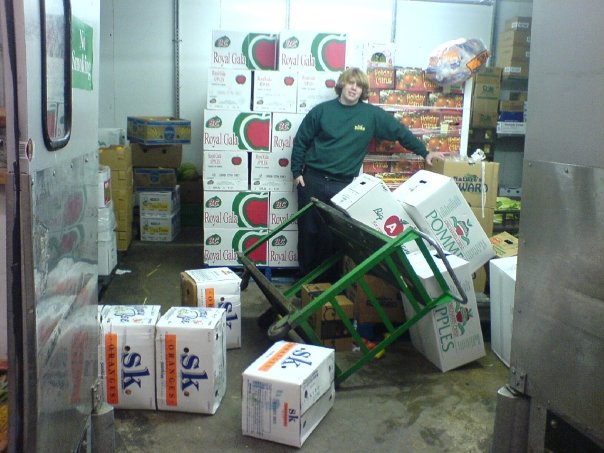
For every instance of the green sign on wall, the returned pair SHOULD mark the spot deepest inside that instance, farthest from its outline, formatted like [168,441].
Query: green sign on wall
[81,55]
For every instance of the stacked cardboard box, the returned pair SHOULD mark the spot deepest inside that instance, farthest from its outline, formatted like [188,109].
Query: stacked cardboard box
[119,159]
[127,355]
[257,98]
[191,367]
[479,184]
[174,362]
[485,98]
[513,47]
[106,237]
[217,287]
[325,321]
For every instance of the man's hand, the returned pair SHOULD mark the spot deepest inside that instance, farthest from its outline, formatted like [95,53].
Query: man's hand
[299,181]
[434,155]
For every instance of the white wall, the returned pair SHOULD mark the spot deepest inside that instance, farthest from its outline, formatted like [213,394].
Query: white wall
[137,44]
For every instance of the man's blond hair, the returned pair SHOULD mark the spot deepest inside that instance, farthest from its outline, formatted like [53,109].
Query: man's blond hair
[356,74]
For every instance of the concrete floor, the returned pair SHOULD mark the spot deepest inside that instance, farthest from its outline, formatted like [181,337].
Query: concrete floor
[399,403]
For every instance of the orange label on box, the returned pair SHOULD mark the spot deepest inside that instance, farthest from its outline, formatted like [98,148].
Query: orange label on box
[171,371]
[210,298]
[277,356]
[111,364]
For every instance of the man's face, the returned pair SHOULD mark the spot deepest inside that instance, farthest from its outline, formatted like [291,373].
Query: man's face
[351,92]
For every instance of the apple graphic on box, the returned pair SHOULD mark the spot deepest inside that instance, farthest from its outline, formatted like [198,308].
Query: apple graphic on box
[236,160]
[283,162]
[330,83]
[289,81]
[240,79]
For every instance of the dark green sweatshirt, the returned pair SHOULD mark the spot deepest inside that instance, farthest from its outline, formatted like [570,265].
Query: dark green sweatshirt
[333,137]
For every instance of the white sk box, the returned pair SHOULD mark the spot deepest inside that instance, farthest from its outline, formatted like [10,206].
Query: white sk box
[191,359]
[503,289]
[127,355]
[368,200]
[450,336]
[287,391]
[439,209]
[219,287]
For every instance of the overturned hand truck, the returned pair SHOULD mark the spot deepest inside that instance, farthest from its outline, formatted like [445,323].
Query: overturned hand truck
[374,253]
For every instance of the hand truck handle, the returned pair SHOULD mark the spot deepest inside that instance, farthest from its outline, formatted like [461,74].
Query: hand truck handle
[443,257]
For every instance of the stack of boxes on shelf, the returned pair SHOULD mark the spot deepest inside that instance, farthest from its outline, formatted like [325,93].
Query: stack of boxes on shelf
[432,113]
[107,241]
[156,144]
[513,56]
[119,159]
[513,47]
[485,104]
[260,86]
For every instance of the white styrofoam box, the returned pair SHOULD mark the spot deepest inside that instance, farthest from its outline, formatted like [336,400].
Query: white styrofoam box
[315,87]
[239,49]
[191,359]
[283,249]
[229,89]
[502,281]
[112,137]
[275,91]
[285,126]
[230,209]
[107,254]
[438,208]
[160,229]
[127,358]
[222,244]
[159,203]
[271,171]
[450,336]
[225,170]
[281,386]
[220,287]
[282,206]
[104,186]
[106,222]
[369,200]
[231,130]
[304,49]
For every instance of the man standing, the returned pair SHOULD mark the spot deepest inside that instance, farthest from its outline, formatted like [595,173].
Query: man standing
[328,153]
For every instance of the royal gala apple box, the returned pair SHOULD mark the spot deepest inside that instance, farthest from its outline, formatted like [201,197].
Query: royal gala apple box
[275,91]
[243,50]
[315,87]
[438,208]
[285,126]
[235,209]
[222,244]
[450,335]
[369,200]
[302,49]
[225,170]
[230,130]
[283,249]
[217,287]
[127,355]
[282,206]
[190,345]
[229,89]
[287,391]
[271,171]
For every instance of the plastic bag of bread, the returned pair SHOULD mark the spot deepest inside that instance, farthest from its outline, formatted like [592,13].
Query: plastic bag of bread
[455,61]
